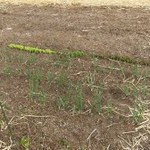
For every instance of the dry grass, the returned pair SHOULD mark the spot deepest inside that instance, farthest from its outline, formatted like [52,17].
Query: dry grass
[132,3]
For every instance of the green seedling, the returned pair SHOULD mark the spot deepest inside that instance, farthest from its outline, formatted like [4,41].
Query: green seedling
[135,71]
[97,101]
[39,96]
[33,87]
[79,98]
[20,71]
[50,77]
[61,79]
[91,80]
[21,59]
[35,75]
[62,102]
[35,91]
[125,88]
[146,74]
[32,60]
[30,49]
[7,71]
[62,60]
[25,142]
[125,59]
[76,54]
[42,97]
[137,112]
[109,107]
[65,144]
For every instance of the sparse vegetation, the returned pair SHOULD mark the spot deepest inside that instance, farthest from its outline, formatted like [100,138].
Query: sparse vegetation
[70,90]
[25,142]
[89,98]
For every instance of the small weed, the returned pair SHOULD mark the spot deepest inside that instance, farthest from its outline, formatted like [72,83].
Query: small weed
[145,89]
[62,60]
[62,102]
[125,88]
[34,74]
[137,112]
[33,86]
[7,71]
[39,96]
[91,80]
[76,54]
[141,90]
[25,142]
[65,144]
[50,77]
[94,65]
[62,79]
[34,81]
[31,60]
[109,107]
[97,100]
[135,92]
[20,71]
[35,92]
[146,74]
[21,59]
[135,71]
[79,98]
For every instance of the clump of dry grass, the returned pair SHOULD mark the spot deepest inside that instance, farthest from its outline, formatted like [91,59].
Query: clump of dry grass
[143,132]
[5,146]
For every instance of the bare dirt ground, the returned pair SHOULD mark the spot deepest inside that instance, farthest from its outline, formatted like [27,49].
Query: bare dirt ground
[98,29]
[111,30]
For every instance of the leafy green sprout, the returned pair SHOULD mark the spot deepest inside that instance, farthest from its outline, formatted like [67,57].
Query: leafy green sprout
[25,142]
[30,49]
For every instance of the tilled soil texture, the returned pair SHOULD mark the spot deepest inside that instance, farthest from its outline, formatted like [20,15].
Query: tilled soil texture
[121,31]
[102,30]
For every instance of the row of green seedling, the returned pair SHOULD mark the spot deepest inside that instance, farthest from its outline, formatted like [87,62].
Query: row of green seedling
[73,54]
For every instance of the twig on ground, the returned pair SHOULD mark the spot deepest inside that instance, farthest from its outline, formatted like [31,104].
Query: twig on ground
[6,119]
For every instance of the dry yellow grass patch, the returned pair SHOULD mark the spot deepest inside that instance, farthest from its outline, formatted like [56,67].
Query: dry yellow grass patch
[132,3]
